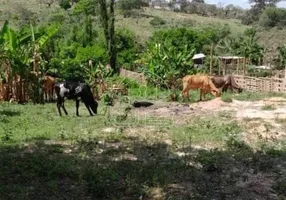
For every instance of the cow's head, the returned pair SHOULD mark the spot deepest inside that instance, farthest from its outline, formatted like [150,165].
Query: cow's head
[216,92]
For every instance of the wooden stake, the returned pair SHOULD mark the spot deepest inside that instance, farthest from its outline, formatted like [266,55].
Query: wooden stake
[211,61]
[244,63]
[237,64]
[219,66]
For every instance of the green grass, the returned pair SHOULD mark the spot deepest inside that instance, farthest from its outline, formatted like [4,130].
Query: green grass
[268,107]
[207,131]
[44,156]
[227,97]
[256,96]
[250,96]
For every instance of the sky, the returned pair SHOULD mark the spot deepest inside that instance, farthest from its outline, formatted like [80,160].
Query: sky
[241,3]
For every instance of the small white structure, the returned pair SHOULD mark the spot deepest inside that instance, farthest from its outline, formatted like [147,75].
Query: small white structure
[199,60]
[199,56]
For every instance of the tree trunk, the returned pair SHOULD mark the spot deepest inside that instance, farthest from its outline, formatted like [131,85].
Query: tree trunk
[112,49]
[109,31]
[104,19]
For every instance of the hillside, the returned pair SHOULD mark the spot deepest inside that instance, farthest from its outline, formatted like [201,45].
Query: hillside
[143,29]
[139,22]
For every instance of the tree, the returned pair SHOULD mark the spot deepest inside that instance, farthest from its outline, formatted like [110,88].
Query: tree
[86,7]
[259,5]
[107,20]
[272,17]
[248,47]
[65,4]
[282,56]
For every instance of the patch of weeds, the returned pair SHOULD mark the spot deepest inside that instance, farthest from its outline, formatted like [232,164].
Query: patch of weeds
[205,131]
[157,21]
[212,160]
[280,120]
[225,114]
[281,187]
[7,134]
[108,98]
[235,144]
[255,96]
[226,97]
[268,107]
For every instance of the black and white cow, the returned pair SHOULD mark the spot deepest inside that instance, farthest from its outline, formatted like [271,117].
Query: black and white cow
[76,91]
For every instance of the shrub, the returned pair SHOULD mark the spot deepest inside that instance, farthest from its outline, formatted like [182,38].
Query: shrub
[226,97]
[157,21]
[126,47]
[65,4]
[272,17]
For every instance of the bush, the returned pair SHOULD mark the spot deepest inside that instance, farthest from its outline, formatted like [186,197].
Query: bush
[226,97]
[65,4]
[95,53]
[73,70]
[157,21]
[272,17]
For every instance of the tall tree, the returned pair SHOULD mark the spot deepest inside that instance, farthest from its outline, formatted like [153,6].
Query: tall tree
[108,20]
[257,6]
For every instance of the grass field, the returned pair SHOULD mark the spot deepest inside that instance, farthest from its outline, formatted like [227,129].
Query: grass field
[44,156]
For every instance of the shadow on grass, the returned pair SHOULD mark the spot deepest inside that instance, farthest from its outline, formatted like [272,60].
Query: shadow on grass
[136,170]
[10,113]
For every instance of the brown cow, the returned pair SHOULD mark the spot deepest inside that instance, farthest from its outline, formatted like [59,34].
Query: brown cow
[202,82]
[226,82]
[48,87]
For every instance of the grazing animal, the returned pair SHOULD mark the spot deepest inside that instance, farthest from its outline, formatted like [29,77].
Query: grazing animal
[76,91]
[226,82]
[48,87]
[198,81]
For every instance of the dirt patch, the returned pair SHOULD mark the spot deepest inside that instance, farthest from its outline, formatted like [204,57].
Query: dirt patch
[258,123]
[180,113]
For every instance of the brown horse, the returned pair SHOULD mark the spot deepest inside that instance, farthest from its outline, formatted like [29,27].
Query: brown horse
[225,82]
[202,82]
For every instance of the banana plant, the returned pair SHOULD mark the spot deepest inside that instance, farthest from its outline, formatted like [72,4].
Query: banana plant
[18,50]
[15,53]
[164,64]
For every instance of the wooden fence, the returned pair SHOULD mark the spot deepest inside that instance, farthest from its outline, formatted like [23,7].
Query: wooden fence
[139,77]
[261,84]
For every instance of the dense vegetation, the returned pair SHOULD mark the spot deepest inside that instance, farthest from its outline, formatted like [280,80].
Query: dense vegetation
[81,37]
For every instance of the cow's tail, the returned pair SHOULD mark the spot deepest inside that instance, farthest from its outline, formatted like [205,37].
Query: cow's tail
[90,100]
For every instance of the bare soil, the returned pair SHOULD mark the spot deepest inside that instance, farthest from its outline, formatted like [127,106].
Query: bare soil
[259,123]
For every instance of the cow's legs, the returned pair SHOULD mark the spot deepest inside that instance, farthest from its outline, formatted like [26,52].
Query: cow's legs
[52,94]
[185,93]
[63,106]
[77,106]
[45,96]
[202,95]
[59,102]
[88,108]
